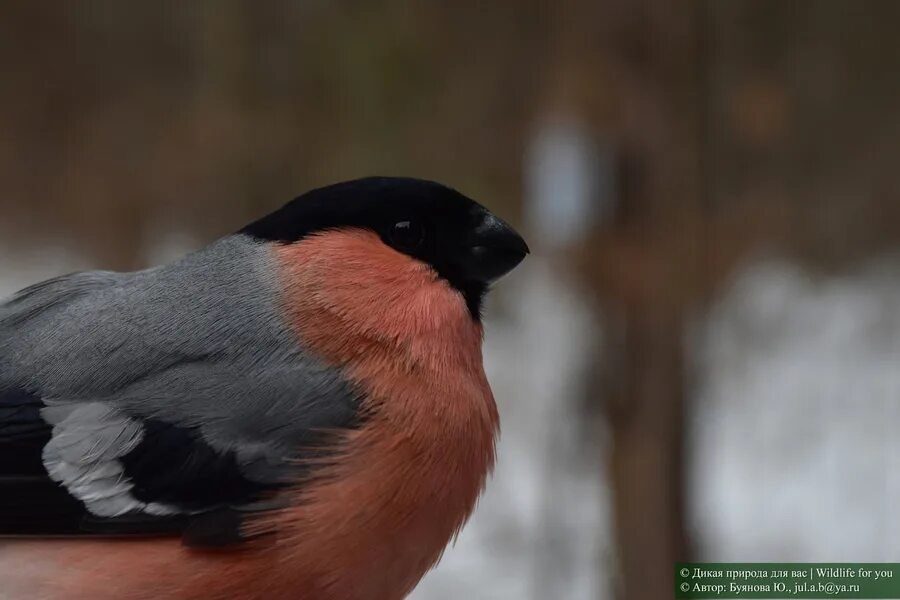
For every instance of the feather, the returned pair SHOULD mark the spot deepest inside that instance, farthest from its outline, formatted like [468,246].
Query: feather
[139,403]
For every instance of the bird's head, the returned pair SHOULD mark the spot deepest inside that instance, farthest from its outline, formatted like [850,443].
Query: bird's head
[459,239]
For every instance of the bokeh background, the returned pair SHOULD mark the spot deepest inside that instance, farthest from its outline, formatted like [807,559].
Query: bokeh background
[701,359]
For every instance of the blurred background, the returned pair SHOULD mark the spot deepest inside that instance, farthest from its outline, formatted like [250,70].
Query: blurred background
[701,359]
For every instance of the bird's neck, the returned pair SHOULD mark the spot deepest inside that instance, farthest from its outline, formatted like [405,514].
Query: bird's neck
[410,476]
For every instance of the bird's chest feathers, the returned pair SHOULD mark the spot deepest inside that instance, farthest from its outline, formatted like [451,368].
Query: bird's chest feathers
[410,476]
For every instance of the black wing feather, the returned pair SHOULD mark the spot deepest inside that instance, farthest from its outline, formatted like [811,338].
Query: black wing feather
[30,502]
[171,465]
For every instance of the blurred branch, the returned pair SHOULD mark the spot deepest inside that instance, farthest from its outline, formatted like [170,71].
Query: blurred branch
[644,268]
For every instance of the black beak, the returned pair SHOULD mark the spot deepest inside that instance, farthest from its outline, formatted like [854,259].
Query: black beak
[494,250]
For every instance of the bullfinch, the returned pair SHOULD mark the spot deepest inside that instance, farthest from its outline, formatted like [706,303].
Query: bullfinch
[296,411]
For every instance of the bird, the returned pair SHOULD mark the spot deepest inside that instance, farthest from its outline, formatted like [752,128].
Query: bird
[298,410]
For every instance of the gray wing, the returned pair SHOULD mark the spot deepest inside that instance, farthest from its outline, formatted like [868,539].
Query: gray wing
[157,396]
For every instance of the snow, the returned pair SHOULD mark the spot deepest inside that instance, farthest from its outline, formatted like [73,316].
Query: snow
[795,456]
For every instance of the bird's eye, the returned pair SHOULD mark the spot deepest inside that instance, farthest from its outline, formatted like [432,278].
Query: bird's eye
[407,235]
